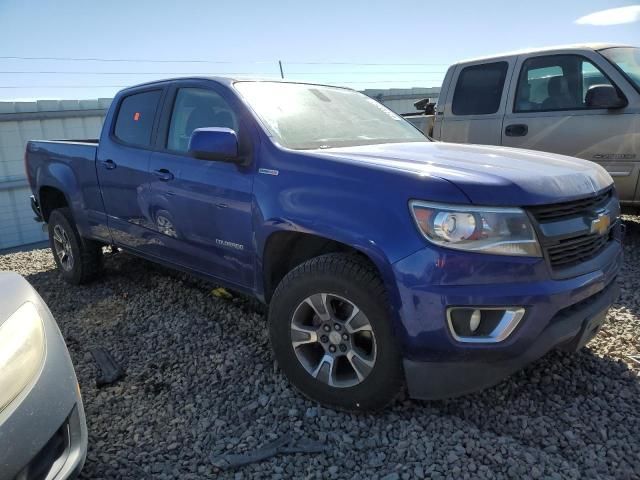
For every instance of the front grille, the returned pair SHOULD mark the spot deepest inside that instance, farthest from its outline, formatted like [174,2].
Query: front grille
[568,243]
[545,213]
[572,251]
[611,290]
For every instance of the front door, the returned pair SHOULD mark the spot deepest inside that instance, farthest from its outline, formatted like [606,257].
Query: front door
[123,169]
[547,111]
[201,209]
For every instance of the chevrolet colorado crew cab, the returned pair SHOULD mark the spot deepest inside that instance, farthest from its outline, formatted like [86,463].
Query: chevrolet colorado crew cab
[385,258]
[578,100]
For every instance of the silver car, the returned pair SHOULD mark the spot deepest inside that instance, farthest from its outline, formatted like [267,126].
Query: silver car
[43,433]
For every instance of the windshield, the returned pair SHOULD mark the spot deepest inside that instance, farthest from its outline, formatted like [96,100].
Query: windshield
[302,116]
[627,59]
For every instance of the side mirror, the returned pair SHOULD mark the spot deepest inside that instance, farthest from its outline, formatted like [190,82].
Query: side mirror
[213,143]
[604,96]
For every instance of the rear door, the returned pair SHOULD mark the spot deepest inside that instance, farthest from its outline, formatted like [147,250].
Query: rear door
[474,107]
[202,209]
[123,168]
[547,111]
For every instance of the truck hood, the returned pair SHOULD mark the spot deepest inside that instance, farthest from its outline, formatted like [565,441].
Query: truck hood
[487,175]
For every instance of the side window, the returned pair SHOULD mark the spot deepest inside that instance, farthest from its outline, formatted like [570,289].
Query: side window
[134,123]
[479,89]
[197,108]
[556,82]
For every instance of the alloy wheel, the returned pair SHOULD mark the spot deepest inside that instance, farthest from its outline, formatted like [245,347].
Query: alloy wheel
[333,340]
[63,247]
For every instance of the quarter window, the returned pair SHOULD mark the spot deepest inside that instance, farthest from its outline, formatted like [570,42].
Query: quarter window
[197,108]
[479,89]
[556,82]
[134,123]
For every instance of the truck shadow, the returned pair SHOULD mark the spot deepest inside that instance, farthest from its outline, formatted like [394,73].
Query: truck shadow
[628,277]
[574,407]
[117,268]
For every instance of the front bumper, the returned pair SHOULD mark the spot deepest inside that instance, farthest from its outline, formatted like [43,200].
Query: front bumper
[570,329]
[557,312]
[43,431]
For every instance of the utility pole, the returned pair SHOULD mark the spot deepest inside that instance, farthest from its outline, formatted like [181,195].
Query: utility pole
[281,71]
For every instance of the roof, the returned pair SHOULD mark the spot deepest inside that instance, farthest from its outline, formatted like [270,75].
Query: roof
[526,51]
[227,81]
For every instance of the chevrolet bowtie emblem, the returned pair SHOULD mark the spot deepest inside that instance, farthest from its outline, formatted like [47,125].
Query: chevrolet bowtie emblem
[601,224]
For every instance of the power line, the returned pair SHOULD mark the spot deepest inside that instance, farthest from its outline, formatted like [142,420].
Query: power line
[132,60]
[375,64]
[64,86]
[56,72]
[146,60]
[122,86]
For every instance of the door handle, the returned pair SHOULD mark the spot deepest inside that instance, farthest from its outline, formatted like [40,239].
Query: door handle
[109,164]
[516,130]
[163,174]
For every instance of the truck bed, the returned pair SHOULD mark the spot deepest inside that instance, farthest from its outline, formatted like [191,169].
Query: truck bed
[63,165]
[79,155]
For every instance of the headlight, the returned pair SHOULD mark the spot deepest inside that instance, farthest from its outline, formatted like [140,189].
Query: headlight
[501,231]
[21,351]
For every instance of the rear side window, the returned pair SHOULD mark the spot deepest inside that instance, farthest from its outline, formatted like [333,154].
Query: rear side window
[479,89]
[134,123]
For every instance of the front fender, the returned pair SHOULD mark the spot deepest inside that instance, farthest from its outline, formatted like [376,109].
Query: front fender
[364,207]
[369,248]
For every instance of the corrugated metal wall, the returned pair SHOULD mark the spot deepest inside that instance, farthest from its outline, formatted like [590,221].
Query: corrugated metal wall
[60,119]
[22,121]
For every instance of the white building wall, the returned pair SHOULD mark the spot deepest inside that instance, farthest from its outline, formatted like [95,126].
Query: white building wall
[23,121]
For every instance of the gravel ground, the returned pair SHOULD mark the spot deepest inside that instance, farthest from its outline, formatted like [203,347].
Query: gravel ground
[201,382]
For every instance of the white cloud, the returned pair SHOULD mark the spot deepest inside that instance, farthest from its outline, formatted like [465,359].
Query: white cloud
[612,16]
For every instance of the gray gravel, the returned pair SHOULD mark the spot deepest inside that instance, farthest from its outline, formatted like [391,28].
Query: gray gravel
[201,382]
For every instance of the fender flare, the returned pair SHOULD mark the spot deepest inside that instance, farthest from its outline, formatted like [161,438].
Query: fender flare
[368,248]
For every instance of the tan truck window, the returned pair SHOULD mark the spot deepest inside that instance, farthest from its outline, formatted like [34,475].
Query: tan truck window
[556,82]
[479,89]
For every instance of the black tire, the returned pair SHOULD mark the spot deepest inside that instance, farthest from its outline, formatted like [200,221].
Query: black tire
[86,254]
[354,279]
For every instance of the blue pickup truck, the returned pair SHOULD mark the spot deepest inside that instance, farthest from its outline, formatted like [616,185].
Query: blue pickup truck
[386,259]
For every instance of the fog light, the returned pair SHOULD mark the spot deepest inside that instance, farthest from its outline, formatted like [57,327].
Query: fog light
[483,325]
[474,321]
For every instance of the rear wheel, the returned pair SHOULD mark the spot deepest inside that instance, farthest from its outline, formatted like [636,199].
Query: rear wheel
[330,331]
[79,260]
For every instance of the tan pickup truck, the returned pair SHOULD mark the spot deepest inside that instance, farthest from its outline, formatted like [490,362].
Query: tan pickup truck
[577,100]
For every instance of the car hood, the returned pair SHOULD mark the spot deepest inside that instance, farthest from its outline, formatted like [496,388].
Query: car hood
[488,175]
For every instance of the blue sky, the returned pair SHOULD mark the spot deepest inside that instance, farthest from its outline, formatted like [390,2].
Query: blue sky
[324,41]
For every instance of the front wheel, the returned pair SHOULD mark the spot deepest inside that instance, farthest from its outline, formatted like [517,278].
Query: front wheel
[330,332]
[79,260]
